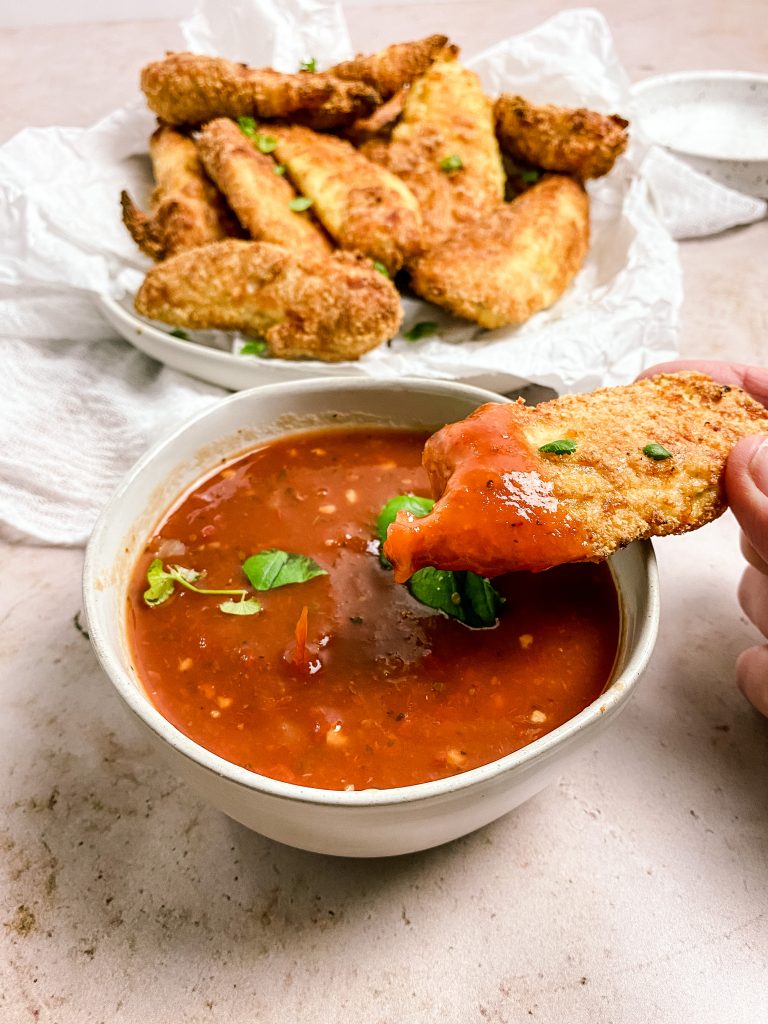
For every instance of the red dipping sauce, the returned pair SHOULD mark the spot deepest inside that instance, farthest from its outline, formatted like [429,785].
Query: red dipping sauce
[397,693]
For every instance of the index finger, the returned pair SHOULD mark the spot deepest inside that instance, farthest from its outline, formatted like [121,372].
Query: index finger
[753,379]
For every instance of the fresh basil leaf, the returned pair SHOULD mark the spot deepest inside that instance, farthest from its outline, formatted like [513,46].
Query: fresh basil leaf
[249,606]
[482,601]
[657,452]
[436,588]
[308,65]
[403,502]
[423,329]
[274,568]
[160,584]
[247,126]
[254,347]
[451,163]
[178,333]
[565,446]
[300,203]
[463,595]
[381,268]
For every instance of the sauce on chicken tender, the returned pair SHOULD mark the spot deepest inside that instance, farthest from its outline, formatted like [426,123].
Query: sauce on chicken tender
[575,479]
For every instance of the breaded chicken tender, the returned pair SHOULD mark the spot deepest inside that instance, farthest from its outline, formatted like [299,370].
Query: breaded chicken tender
[260,198]
[518,260]
[190,89]
[378,125]
[331,308]
[445,150]
[575,479]
[363,206]
[186,209]
[393,67]
[569,141]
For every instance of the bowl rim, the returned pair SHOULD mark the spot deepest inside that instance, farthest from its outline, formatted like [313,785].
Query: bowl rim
[132,694]
[657,83]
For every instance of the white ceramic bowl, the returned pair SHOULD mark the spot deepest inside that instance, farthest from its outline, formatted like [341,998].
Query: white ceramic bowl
[716,120]
[368,823]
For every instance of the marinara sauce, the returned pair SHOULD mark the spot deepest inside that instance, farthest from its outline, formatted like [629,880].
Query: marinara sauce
[392,693]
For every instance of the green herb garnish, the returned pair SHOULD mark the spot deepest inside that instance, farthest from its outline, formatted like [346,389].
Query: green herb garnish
[463,595]
[255,347]
[265,143]
[249,606]
[308,65]
[247,126]
[451,163]
[530,176]
[423,329]
[299,203]
[162,584]
[565,446]
[279,169]
[403,502]
[381,268]
[274,568]
[657,452]
[178,333]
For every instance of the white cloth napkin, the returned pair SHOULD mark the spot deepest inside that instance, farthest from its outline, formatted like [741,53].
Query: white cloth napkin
[79,405]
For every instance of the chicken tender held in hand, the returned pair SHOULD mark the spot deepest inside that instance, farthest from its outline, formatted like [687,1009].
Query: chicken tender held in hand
[331,308]
[362,206]
[444,148]
[518,260]
[393,67]
[573,480]
[190,89]
[260,197]
[187,210]
[569,141]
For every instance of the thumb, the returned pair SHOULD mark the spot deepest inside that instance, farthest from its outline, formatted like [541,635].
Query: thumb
[746,484]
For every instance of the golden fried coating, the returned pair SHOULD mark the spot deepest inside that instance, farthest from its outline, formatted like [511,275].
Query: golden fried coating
[186,209]
[260,198]
[579,142]
[331,308]
[518,260]
[393,67]
[190,89]
[379,124]
[363,206]
[647,460]
[444,148]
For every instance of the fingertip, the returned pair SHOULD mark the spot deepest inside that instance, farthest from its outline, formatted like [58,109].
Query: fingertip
[748,500]
[752,676]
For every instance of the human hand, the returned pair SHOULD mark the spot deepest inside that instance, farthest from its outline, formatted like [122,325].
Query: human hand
[746,485]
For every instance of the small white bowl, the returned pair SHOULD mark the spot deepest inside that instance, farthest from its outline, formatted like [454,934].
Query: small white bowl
[716,120]
[368,823]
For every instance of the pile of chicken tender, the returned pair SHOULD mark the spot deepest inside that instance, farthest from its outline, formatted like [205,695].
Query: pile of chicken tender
[288,207]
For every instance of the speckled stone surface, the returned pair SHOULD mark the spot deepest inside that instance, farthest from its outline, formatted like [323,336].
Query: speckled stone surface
[636,890]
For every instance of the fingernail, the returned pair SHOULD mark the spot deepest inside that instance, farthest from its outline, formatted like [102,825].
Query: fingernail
[758,466]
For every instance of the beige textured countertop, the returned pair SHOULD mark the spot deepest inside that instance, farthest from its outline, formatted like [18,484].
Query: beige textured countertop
[636,890]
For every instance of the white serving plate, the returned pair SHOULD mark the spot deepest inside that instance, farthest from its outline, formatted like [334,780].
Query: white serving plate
[716,120]
[367,823]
